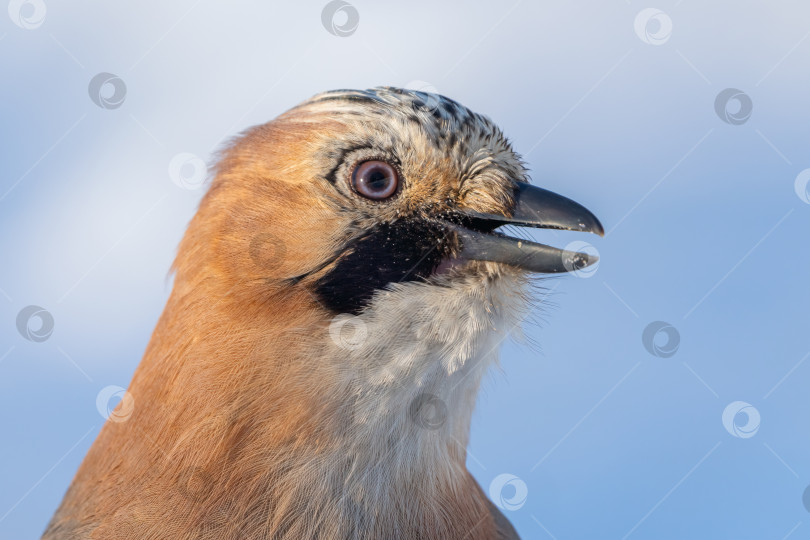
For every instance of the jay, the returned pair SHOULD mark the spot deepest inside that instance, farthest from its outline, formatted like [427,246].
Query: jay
[338,297]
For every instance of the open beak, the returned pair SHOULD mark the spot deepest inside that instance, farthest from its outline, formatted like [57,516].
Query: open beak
[534,207]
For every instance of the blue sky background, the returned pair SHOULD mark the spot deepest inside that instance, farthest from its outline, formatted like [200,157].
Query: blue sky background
[706,232]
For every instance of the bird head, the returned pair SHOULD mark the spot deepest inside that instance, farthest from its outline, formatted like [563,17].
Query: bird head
[353,193]
[354,237]
[377,208]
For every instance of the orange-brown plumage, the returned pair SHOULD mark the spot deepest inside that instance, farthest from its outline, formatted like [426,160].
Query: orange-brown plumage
[248,420]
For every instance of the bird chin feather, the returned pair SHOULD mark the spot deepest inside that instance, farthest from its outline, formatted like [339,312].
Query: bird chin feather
[437,337]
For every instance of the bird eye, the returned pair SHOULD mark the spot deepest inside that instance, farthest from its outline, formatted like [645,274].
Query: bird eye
[375,179]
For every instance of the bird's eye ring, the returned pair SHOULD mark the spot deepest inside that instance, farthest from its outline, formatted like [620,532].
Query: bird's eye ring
[375,179]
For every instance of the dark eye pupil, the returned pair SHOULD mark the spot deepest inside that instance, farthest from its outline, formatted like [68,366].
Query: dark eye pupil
[378,180]
[375,179]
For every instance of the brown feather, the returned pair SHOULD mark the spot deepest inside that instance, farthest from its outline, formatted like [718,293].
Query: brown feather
[241,423]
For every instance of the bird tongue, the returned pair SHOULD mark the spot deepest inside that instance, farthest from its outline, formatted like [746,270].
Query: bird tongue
[448,264]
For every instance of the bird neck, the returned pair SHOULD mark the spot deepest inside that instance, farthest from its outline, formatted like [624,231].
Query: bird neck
[321,425]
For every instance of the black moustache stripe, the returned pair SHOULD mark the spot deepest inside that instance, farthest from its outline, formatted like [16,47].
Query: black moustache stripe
[407,250]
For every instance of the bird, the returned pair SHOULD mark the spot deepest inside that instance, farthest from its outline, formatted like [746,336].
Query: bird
[338,297]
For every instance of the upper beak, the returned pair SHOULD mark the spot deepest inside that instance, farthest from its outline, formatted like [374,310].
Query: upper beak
[534,207]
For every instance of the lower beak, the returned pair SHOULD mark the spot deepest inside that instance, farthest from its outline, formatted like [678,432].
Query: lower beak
[534,207]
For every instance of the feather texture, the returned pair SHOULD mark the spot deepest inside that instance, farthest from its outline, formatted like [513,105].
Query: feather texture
[260,411]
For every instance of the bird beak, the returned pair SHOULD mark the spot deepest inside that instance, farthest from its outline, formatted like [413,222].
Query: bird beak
[534,207]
